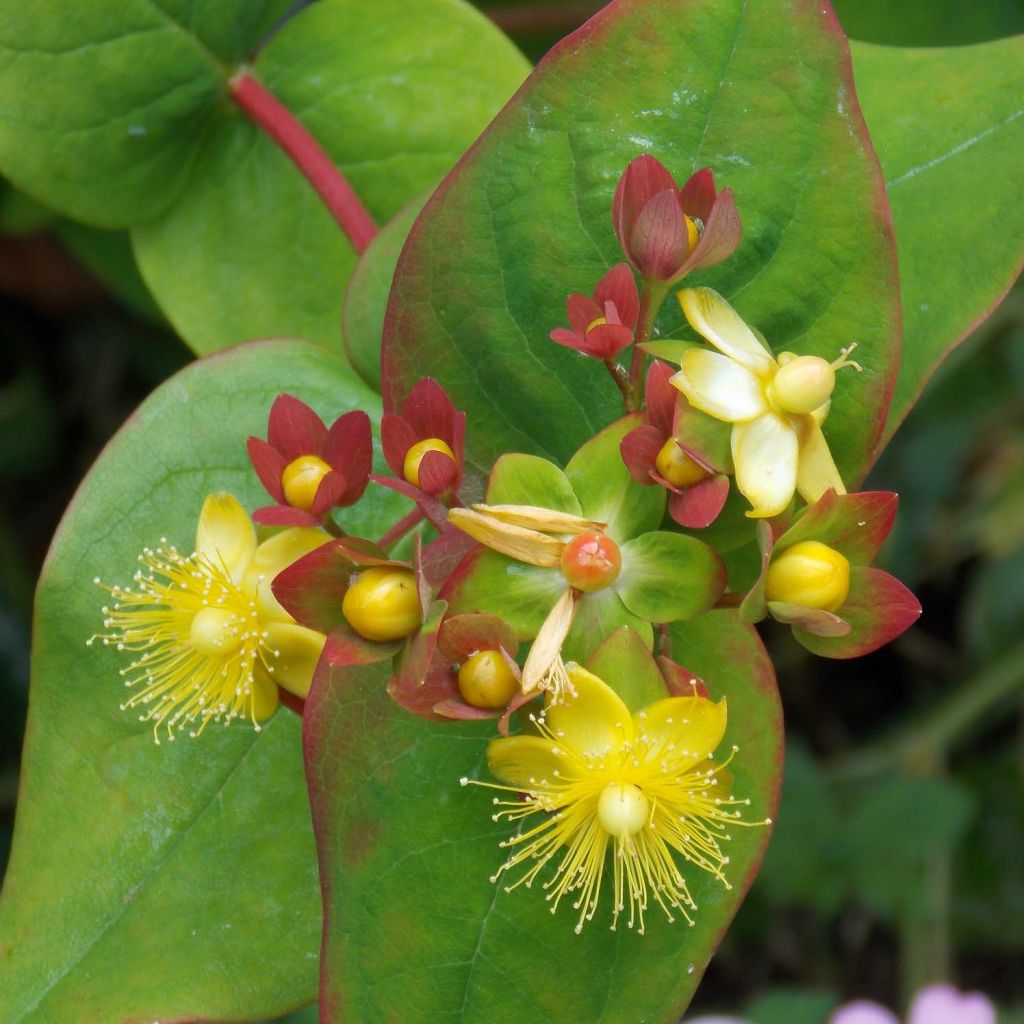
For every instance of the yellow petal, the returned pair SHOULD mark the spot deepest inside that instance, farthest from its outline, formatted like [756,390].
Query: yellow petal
[718,386]
[276,554]
[521,544]
[816,471]
[225,534]
[713,318]
[529,763]
[546,649]
[264,695]
[297,651]
[593,722]
[544,519]
[686,729]
[765,453]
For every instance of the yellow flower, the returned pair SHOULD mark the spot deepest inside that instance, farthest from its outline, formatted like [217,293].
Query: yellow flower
[599,778]
[776,406]
[211,641]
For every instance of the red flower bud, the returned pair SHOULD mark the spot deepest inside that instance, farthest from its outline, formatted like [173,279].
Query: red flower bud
[602,326]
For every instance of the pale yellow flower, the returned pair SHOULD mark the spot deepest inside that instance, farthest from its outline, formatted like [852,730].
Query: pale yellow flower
[776,406]
[211,641]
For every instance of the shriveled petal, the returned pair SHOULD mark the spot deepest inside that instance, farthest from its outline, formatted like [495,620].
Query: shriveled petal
[684,729]
[296,652]
[816,472]
[765,453]
[720,387]
[713,318]
[225,534]
[595,721]
[276,554]
[547,520]
[547,646]
[518,543]
[529,763]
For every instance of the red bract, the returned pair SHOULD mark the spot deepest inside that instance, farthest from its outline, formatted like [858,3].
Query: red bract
[667,231]
[696,505]
[427,415]
[878,607]
[602,326]
[426,679]
[295,432]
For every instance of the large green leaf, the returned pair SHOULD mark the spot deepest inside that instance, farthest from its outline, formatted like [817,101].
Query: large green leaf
[762,93]
[248,249]
[179,881]
[415,931]
[102,104]
[949,128]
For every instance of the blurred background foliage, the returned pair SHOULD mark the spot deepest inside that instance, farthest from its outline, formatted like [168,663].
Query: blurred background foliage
[900,842]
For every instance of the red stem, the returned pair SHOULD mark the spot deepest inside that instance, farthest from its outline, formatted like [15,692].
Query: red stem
[401,528]
[308,155]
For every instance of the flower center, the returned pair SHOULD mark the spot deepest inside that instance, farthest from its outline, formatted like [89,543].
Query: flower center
[675,466]
[215,631]
[803,383]
[810,574]
[622,809]
[383,604]
[301,478]
[414,456]
[486,681]
[591,561]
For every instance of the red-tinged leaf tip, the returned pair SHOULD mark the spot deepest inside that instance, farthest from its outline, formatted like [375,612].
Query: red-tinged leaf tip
[639,450]
[328,494]
[679,680]
[619,287]
[660,242]
[463,635]
[349,450]
[721,235]
[661,397]
[294,429]
[856,525]
[437,473]
[284,515]
[697,196]
[699,506]
[269,465]
[396,438]
[879,608]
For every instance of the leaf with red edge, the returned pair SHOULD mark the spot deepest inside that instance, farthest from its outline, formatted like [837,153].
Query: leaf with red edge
[681,682]
[414,929]
[525,218]
[878,609]
[856,525]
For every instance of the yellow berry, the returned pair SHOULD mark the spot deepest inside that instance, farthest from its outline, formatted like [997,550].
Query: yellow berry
[802,384]
[692,233]
[301,478]
[809,574]
[414,456]
[486,681]
[383,604]
[591,561]
[622,809]
[675,466]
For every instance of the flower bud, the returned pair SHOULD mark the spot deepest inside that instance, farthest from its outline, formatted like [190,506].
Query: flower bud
[675,466]
[591,561]
[383,604]
[487,681]
[301,478]
[414,456]
[809,574]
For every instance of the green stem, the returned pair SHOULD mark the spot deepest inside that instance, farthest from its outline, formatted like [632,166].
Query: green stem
[930,737]
[652,295]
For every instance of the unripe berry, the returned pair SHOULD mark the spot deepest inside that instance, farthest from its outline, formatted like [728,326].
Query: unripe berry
[301,478]
[802,384]
[809,574]
[414,456]
[486,681]
[675,466]
[622,809]
[383,604]
[591,561]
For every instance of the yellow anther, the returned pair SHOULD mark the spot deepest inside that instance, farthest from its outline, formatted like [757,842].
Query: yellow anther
[301,478]
[809,574]
[675,466]
[487,681]
[598,322]
[383,604]
[414,456]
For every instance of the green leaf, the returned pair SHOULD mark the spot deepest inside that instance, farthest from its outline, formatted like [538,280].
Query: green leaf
[598,615]
[416,932]
[626,659]
[366,297]
[930,22]
[606,490]
[792,1006]
[172,882]
[381,85]
[949,128]
[762,93]
[103,105]
[527,480]
[666,576]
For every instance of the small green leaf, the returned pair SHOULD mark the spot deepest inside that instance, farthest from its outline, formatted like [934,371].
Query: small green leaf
[605,489]
[668,576]
[598,615]
[528,480]
[625,662]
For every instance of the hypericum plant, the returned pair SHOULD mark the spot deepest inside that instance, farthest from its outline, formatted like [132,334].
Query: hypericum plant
[549,592]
